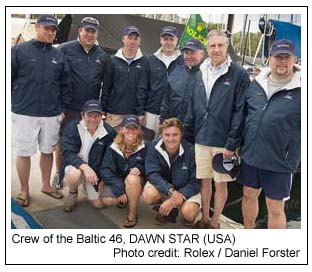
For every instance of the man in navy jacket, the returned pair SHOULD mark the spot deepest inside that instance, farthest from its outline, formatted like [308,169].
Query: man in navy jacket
[170,171]
[271,138]
[181,82]
[127,91]
[40,91]
[89,68]
[84,144]
[160,65]
[215,112]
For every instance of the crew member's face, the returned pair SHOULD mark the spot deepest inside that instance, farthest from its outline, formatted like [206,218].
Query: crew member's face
[172,137]
[282,65]
[130,134]
[217,50]
[45,34]
[131,42]
[168,44]
[92,120]
[192,58]
[87,37]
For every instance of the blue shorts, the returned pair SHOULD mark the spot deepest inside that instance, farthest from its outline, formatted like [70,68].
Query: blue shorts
[275,185]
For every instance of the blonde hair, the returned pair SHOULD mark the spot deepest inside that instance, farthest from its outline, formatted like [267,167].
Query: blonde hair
[120,142]
[171,122]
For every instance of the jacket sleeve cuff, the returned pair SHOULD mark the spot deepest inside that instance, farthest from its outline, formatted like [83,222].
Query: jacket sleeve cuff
[118,191]
[230,146]
[77,164]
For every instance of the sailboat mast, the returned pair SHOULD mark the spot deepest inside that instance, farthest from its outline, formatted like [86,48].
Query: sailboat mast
[229,26]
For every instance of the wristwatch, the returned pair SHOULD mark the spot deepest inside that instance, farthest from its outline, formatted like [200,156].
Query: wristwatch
[170,191]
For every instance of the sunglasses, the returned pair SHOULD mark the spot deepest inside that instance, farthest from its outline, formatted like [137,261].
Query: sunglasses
[90,20]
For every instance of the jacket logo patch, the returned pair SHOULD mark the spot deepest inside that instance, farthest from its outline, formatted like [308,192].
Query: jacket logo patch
[33,60]
[184,166]
[98,61]
[138,66]
[54,61]
[139,158]
[100,143]
[227,82]
[289,96]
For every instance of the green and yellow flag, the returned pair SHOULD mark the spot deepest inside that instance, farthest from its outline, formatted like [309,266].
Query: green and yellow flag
[195,28]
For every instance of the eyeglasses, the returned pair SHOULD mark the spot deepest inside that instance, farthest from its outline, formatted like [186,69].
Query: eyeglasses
[90,20]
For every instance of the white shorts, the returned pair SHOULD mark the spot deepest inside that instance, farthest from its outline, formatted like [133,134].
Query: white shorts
[203,158]
[114,120]
[196,199]
[31,131]
[152,122]
[91,193]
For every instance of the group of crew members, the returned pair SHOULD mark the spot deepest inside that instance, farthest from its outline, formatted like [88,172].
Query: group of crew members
[162,128]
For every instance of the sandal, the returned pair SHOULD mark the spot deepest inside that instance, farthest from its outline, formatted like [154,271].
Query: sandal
[130,223]
[201,225]
[22,201]
[54,194]
[121,205]
[188,224]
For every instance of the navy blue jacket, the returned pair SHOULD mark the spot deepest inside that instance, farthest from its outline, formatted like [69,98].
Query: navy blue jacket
[179,173]
[127,91]
[218,123]
[158,81]
[88,72]
[40,83]
[272,132]
[115,167]
[181,83]
[71,145]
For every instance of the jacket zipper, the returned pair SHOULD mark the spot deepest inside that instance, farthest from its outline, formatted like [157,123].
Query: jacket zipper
[263,112]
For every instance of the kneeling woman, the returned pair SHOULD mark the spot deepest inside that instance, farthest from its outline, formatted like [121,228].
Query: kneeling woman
[123,169]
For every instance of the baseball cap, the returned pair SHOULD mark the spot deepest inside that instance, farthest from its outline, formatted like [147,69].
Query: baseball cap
[193,44]
[47,20]
[225,166]
[131,29]
[168,30]
[90,22]
[282,47]
[92,106]
[130,120]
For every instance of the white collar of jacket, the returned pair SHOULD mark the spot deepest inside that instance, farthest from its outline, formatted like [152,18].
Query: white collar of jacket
[204,68]
[295,82]
[120,55]
[159,54]
[82,129]
[115,147]
[164,153]
[226,63]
